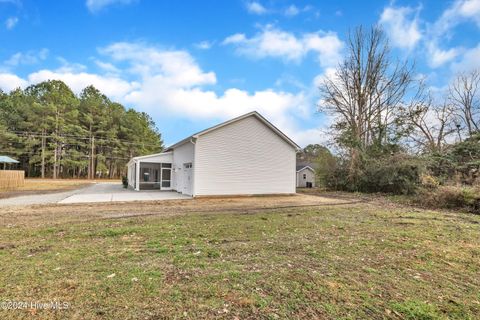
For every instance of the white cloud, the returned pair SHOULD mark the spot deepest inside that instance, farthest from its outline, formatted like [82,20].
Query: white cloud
[470,9]
[26,58]
[402,26]
[291,11]
[11,22]
[113,87]
[195,103]
[9,82]
[172,83]
[440,32]
[107,67]
[256,8]
[438,57]
[203,45]
[95,6]
[235,38]
[458,12]
[311,136]
[178,67]
[70,67]
[173,80]
[469,61]
[329,73]
[273,42]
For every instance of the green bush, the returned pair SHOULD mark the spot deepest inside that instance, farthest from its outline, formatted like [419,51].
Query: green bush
[396,174]
[125,182]
[459,162]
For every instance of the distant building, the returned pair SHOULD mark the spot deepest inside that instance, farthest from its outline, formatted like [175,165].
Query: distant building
[305,176]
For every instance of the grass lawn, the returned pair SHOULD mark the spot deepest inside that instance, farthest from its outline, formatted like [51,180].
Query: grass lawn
[340,261]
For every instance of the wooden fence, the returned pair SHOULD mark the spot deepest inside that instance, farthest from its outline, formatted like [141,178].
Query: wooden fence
[11,179]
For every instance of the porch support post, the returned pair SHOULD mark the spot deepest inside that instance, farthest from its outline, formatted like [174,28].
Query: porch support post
[160,175]
[137,174]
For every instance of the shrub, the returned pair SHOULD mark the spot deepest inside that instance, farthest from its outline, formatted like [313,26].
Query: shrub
[125,182]
[450,197]
[396,174]
[429,182]
[460,162]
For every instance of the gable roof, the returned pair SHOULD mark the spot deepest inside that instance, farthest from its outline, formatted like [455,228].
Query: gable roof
[5,159]
[223,124]
[300,168]
[303,163]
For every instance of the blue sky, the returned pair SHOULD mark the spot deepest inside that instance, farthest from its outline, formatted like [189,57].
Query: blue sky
[191,64]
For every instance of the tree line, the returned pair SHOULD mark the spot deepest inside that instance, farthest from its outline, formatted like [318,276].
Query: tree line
[55,133]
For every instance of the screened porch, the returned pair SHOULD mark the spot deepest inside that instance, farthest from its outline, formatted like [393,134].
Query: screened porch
[155,176]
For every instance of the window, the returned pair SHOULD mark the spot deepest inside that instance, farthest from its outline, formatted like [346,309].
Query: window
[166,165]
[187,165]
[304,176]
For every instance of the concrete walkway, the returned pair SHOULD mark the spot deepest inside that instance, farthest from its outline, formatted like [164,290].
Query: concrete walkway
[98,192]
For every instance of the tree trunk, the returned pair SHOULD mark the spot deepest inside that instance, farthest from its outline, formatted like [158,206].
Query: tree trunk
[55,163]
[92,159]
[43,153]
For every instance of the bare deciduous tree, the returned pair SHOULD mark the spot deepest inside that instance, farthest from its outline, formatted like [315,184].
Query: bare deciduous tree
[366,91]
[465,96]
[430,123]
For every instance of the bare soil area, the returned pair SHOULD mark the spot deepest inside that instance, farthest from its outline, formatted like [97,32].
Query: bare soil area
[61,213]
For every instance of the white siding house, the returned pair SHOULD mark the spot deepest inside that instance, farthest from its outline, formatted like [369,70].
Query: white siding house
[243,156]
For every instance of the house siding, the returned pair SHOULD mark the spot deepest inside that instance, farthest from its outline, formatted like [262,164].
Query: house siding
[181,154]
[302,183]
[244,157]
[131,175]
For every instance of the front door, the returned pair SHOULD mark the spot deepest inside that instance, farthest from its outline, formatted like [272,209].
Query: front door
[187,178]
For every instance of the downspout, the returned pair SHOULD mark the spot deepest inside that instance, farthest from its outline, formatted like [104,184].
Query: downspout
[193,140]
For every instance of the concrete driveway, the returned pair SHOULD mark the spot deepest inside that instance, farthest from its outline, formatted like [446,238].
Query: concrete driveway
[98,192]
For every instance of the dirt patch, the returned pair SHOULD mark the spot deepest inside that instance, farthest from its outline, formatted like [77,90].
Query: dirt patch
[59,213]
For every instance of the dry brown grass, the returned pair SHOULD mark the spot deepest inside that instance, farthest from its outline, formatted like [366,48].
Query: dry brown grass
[52,184]
[43,186]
